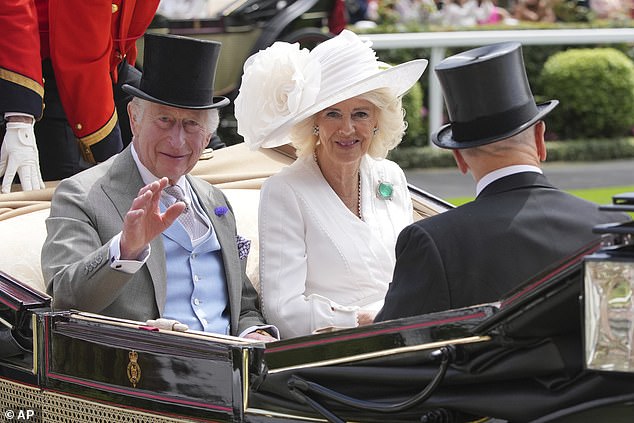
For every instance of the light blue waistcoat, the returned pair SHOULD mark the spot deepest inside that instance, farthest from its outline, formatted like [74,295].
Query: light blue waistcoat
[196,283]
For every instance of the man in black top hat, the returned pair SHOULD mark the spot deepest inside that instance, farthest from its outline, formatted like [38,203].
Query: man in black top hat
[136,237]
[519,224]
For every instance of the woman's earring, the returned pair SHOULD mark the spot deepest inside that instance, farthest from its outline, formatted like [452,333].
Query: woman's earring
[375,130]
[315,130]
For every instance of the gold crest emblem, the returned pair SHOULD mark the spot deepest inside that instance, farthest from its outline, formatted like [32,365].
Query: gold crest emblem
[134,370]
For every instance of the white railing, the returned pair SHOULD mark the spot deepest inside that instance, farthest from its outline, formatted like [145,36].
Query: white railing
[439,41]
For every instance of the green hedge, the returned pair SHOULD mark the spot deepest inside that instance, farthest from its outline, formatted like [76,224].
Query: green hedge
[421,157]
[595,88]
[590,150]
[569,151]
[417,121]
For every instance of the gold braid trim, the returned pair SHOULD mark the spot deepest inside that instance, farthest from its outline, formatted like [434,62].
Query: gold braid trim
[18,79]
[95,137]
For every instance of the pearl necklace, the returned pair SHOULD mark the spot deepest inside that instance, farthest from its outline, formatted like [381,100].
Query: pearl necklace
[359,197]
[359,215]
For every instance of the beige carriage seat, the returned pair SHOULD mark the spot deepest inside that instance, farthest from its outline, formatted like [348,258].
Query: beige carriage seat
[21,239]
[23,233]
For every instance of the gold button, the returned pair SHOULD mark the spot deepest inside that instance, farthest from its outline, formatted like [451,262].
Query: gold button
[79,126]
[115,8]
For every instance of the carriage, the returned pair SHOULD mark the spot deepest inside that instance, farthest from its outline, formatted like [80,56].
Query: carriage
[519,359]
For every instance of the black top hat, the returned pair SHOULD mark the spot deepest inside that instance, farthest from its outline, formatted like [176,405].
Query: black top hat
[487,96]
[179,72]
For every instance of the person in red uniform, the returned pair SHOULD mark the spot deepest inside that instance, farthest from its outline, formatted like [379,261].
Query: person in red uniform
[61,65]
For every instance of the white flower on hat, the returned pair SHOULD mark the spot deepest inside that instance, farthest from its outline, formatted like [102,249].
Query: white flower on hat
[277,83]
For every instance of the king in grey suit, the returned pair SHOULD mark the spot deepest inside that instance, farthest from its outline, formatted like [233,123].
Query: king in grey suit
[87,211]
[519,224]
[108,218]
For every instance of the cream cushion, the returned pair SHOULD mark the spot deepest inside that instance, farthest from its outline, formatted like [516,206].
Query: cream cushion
[21,239]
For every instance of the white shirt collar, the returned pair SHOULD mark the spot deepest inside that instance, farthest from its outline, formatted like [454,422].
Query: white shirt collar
[148,177]
[502,172]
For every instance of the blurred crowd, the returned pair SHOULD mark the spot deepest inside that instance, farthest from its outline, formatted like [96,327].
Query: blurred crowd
[457,13]
[452,13]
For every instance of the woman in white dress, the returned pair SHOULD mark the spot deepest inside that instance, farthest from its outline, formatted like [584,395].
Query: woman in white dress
[328,223]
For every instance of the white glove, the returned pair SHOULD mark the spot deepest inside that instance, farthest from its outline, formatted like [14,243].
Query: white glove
[167,324]
[19,154]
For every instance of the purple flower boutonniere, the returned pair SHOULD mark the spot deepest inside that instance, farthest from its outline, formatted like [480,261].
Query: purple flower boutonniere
[221,211]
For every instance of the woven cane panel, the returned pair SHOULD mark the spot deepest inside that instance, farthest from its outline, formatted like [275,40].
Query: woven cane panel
[64,409]
[19,402]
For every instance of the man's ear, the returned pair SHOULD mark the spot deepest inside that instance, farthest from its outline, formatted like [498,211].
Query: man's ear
[540,140]
[133,117]
[460,161]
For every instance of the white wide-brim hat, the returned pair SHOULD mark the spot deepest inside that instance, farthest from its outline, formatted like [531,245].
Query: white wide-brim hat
[283,84]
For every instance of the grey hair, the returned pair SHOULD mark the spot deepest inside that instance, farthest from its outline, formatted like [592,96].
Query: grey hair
[212,117]
[391,126]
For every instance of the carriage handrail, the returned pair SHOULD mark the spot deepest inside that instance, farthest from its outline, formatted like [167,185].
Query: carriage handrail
[439,41]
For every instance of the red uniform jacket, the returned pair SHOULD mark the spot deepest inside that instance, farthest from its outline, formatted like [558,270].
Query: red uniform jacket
[86,41]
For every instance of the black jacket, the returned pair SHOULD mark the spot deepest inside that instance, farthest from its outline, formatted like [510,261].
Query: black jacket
[478,252]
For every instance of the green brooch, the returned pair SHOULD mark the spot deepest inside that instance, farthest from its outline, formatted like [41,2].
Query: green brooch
[384,190]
